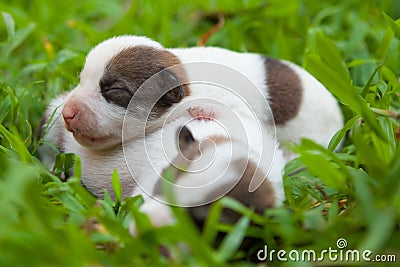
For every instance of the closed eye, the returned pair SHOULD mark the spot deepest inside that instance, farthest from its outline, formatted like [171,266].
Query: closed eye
[117,95]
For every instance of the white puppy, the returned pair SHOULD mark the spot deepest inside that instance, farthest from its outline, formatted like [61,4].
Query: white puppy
[211,168]
[189,82]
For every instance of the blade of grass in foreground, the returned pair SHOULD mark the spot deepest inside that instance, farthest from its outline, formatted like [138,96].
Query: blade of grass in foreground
[16,144]
[233,240]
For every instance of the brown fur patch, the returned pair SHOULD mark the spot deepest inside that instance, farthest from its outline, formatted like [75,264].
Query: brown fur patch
[284,89]
[261,199]
[132,67]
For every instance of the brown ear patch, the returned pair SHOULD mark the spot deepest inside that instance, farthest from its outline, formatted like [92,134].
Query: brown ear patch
[132,67]
[284,89]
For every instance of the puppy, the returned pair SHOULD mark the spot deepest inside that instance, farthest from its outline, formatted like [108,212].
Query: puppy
[229,172]
[89,119]
[155,89]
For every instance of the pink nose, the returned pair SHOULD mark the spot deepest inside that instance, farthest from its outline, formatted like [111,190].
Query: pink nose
[70,114]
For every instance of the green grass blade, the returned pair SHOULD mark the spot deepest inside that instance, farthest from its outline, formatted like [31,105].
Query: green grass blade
[234,239]
[16,144]
[116,186]
[394,25]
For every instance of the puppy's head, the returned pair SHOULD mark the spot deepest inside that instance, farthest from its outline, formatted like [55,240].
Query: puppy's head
[196,187]
[114,71]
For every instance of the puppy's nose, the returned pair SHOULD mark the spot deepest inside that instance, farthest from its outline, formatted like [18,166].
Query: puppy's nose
[70,114]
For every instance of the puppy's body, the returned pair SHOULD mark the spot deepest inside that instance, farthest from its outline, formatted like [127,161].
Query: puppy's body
[230,174]
[301,106]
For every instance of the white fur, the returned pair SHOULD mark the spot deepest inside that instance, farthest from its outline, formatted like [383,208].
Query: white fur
[319,116]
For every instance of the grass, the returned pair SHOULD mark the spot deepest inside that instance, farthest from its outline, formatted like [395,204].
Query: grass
[351,46]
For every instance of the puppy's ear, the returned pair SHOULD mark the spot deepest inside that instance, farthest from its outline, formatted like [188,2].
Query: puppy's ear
[185,138]
[173,88]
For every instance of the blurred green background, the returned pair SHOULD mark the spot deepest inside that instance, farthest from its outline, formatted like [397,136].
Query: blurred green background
[351,46]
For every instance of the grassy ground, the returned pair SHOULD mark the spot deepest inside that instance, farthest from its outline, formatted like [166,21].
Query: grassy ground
[351,46]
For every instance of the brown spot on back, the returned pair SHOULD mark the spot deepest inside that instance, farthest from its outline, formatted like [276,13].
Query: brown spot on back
[133,66]
[284,89]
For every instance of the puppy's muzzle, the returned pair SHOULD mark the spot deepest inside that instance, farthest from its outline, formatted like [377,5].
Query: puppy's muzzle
[78,118]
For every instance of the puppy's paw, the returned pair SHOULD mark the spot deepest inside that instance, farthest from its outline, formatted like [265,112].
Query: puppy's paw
[159,214]
[201,113]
